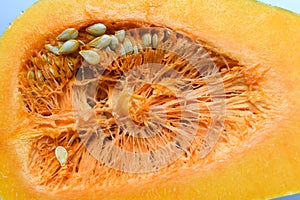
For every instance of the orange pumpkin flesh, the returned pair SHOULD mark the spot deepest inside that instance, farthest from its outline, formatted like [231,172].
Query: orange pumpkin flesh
[265,41]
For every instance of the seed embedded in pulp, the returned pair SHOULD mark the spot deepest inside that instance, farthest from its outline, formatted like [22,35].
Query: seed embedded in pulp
[154,41]
[120,35]
[40,75]
[68,34]
[96,29]
[69,47]
[53,70]
[90,56]
[101,42]
[127,45]
[147,39]
[135,49]
[121,50]
[61,155]
[52,49]
[114,42]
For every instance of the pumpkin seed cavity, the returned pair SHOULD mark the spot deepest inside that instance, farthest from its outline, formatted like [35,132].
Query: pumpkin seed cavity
[102,74]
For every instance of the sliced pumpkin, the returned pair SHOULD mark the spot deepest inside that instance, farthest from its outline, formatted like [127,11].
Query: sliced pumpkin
[150,100]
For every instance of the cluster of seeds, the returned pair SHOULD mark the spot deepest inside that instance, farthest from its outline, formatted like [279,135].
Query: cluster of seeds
[116,42]
[50,71]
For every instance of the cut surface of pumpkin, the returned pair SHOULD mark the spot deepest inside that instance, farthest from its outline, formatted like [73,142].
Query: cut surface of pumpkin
[150,100]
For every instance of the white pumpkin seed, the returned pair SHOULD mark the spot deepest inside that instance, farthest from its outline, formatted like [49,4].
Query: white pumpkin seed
[40,75]
[52,49]
[147,39]
[90,56]
[154,41]
[127,45]
[61,155]
[68,34]
[121,50]
[107,48]
[135,49]
[101,42]
[140,47]
[96,29]
[53,71]
[167,34]
[71,66]
[114,42]
[120,35]
[68,47]
[45,58]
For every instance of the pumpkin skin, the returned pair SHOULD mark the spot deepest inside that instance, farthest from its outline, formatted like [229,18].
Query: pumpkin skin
[264,167]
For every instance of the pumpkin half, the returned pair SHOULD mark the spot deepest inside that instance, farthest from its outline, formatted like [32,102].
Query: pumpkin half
[150,100]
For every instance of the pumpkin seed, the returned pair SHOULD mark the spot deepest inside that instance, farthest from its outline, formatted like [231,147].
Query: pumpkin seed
[147,39]
[101,42]
[90,56]
[46,58]
[40,75]
[107,48]
[121,50]
[69,47]
[61,155]
[114,42]
[52,49]
[167,34]
[135,49]
[140,47]
[154,41]
[71,66]
[128,45]
[96,29]
[68,34]
[120,35]
[53,70]
[30,75]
